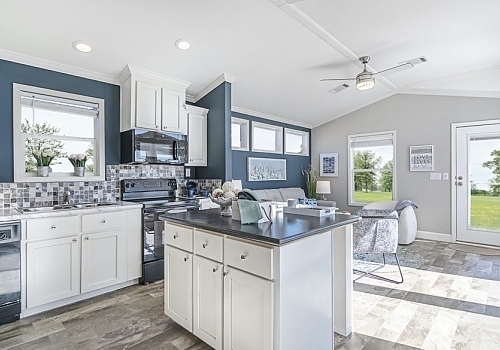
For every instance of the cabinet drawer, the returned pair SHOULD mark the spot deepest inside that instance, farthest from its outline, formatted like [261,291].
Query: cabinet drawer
[208,245]
[179,236]
[47,228]
[101,221]
[249,257]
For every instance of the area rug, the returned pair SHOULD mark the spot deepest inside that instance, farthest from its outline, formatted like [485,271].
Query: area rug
[473,249]
[367,262]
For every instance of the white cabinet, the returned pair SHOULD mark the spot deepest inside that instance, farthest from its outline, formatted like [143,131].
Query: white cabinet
[147,105]
[104,259]
[53,270]
[207,301]
[179,286]
[197,136]
[152,101]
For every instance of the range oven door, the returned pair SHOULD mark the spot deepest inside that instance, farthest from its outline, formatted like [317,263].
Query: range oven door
[154,236]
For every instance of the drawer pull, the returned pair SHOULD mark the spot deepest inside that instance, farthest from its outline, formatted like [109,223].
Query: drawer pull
[225,273]
[103,221]
[243,256]
[205,245]
[186,258]
[215,269]
[53,227]
[175,236]
[74,240]
[87,238]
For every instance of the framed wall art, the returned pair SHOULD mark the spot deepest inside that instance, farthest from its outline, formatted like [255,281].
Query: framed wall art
[266,169]
[422,158]
[329,164]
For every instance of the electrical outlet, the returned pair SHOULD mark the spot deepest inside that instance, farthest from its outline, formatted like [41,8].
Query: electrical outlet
[188,172]
[446,176]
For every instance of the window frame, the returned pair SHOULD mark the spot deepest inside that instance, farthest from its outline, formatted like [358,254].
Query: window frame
[19,147]
[244,133]
[305,141]
[350,177]
[278,130]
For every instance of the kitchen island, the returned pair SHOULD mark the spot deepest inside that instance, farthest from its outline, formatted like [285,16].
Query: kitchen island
[281,285]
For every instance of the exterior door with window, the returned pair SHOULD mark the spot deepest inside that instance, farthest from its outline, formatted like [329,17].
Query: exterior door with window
[478,183]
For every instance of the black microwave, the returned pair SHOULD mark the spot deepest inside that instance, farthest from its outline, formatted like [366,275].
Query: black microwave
[154,147]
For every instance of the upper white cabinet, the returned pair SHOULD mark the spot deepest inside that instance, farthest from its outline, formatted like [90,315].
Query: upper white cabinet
[152,101]
[197,136]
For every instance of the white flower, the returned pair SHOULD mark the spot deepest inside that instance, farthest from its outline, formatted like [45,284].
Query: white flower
[37,153]
[50,154]
[44,154]
[80,156]
[72,156]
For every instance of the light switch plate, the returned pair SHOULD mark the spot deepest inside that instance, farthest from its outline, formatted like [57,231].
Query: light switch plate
[446,176]
[435,176]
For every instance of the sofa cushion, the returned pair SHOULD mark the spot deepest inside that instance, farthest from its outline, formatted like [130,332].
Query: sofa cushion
[269,194]
[291,193]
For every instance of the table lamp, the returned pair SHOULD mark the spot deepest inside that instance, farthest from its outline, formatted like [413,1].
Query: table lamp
[323,187]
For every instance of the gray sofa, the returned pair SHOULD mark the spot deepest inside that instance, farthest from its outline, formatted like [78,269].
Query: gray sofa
[282,195]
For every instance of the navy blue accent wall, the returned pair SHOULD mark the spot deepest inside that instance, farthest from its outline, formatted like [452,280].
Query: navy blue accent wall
[11,72]
[294,164]
[219,161]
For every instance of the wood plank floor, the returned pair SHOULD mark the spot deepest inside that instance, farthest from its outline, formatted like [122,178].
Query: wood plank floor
[451,302]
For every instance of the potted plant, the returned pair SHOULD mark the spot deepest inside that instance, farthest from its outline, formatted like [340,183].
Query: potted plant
[43,159]
[78,161]
[311,177]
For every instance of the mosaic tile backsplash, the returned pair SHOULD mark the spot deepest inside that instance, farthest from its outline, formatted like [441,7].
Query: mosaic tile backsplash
[41,194]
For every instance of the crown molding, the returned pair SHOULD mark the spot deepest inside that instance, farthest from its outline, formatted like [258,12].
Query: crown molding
[270,117]
[57,67]
[131,69]
[219,80]
[190,98]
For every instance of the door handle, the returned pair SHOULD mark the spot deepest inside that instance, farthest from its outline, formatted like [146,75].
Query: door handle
[459,183]
[460,178]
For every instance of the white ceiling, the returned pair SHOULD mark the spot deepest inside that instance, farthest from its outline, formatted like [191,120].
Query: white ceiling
[277,52]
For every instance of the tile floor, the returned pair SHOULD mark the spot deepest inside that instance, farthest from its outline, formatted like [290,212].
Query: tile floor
[451,302]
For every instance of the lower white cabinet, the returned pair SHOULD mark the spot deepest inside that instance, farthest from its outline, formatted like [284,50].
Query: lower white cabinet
[248,311]
[53,270]
[104,259]
[207,301]
[179,286]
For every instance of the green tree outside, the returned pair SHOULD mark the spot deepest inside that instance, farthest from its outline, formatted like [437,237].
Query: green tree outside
[494,165]
[386,177]
[89,152]
[365,181]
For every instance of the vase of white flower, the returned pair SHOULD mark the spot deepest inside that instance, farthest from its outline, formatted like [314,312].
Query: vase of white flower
[43,159]
[78,161]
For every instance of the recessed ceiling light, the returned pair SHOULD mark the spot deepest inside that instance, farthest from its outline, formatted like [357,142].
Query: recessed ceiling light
[182,44]
[82,46]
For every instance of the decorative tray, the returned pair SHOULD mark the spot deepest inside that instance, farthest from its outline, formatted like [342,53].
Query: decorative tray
[310,210]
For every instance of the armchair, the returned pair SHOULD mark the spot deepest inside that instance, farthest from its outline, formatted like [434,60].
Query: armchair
[376,232]
[407,220]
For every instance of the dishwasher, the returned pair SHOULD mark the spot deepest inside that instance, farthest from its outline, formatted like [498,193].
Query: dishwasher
[10,272]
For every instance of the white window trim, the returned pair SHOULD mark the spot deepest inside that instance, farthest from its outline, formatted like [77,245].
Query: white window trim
[279,137]
[350,177]
[99,149]
[244,133]
[305,143]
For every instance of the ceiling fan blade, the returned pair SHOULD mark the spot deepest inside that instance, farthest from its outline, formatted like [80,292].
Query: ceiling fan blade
[395,69]
[338,79]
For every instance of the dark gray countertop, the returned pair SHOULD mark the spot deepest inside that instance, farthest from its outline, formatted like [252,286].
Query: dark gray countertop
[284,229]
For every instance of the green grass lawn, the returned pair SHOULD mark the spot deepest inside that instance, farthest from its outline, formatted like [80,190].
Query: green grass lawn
[368,197]
[485,212]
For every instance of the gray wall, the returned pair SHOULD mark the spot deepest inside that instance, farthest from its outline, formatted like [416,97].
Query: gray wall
[418,120]
[294,164]
[11,72]
[219,161]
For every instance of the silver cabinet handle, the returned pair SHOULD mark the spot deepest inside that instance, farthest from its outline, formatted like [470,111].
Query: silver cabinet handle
[225,273]
[205,245]
[175,236]
[103,221]
[186,258]
[243,256]
[215,269]
[87,238]
[74,240]
[53,227]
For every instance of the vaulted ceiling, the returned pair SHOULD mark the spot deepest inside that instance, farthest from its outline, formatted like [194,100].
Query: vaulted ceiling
[277,50]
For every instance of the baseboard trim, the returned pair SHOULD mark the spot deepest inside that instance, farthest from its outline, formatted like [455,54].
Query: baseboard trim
[434,236]
[342,332]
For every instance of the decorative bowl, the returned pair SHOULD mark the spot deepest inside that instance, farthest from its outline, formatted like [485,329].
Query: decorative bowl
[225,204]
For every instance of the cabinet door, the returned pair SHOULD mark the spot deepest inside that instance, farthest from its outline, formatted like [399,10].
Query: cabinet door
[173,114]
[197,140]
[147,105]
[179,286]
[52,270]
[104,259]
[248,311]
[207,301]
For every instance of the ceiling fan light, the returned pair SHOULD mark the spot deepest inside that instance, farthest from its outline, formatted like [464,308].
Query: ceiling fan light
[364,82]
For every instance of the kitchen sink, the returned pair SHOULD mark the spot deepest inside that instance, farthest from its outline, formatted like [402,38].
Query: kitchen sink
[64,207]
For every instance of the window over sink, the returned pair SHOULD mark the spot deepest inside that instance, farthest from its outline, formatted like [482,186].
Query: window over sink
[61,124]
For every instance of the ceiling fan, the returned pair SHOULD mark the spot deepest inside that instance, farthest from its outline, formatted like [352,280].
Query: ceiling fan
[366,79]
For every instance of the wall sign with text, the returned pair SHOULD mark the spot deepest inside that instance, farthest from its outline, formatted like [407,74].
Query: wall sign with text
[422,158]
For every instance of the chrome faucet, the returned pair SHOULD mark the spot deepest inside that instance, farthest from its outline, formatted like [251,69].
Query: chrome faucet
[66,196]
